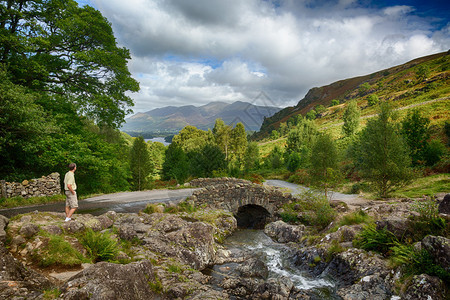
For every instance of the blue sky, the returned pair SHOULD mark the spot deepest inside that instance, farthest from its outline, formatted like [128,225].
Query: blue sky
[197,51]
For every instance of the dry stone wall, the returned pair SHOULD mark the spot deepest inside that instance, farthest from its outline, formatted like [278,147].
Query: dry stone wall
[231,193]
[44,186]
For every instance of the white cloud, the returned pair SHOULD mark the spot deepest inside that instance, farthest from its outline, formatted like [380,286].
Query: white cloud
[197,51]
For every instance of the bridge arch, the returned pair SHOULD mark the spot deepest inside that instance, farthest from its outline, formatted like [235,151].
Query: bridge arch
[253,205]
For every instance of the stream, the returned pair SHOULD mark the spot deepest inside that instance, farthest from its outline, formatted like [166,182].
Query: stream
[279,260]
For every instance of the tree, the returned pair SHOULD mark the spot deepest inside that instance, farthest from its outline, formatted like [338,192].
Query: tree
[176,164]
[302,136]
[192,139]
[207,160]
[251,157]
[363,88]
[334,102]
[222,136]
[372,100]
[311,115]
[275,158]
[238,142]
[382,154]
[56,47]
[140,163]
[324,163]
[283,129]
[294,161]
[351,119]
[320,109]
[415,130]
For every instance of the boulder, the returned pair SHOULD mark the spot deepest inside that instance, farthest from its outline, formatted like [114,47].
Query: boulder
[372,287]
[73,227]
[439,248]
[425,287]
[113,281]
[354,264]
[444,206]
[344,234]
[3,223]
[28,230]
[400,227]
[18,282]
[284,233]
[52,229]
[253,267]
[274,288]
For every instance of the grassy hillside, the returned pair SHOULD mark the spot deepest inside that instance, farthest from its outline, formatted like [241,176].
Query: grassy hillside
[417,82]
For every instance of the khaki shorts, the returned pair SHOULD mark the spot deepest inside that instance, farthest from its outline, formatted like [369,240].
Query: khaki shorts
[71,200]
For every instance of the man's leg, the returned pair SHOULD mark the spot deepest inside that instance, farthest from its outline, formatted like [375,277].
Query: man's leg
[67,211]
[71,211]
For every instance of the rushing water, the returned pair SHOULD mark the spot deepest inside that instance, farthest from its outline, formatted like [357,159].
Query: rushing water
[279,260]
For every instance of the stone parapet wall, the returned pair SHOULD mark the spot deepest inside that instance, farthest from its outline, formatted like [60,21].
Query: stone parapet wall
[45,186]
[234,193]
[204,182]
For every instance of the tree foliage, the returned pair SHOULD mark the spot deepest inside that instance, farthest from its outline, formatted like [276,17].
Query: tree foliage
[140,163]
[63,84]
[415,129]
[56,47]
[382,155]
[351,119]
[324,163]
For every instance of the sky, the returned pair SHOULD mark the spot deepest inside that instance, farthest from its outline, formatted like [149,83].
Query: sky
[192,52]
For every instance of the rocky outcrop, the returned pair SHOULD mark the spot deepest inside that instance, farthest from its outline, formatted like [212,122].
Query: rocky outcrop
[444,206]
[284,233]
[439,249]
[425,287]
[400,227]
[44,186]
[3,223]
[18,282]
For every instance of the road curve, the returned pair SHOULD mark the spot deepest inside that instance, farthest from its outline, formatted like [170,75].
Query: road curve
[118,202]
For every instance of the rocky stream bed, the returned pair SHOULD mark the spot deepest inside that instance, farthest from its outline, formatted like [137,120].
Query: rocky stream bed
[181,255]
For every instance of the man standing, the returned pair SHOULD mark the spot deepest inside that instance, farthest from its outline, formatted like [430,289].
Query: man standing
[70,188]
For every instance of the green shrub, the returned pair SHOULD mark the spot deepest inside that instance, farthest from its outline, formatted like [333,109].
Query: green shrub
[334,102]
[58,251]
[186,206]
[100,246]
[356,217]
[377,240]
[416,262]
[316,206]
[289,217]
[429,221]
[333,250]
[372,100]
[360,187]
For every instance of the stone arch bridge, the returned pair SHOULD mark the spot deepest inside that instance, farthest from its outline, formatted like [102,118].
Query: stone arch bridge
[253,205]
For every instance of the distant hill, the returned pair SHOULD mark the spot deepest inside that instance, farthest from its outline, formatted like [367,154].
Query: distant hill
[400,85]
[172,119]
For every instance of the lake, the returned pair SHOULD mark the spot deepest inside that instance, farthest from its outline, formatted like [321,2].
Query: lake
[158,139]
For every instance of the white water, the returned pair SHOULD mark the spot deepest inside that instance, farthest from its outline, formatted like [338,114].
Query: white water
[276,256]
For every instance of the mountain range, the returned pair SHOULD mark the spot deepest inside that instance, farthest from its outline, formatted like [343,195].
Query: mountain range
[171,119]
